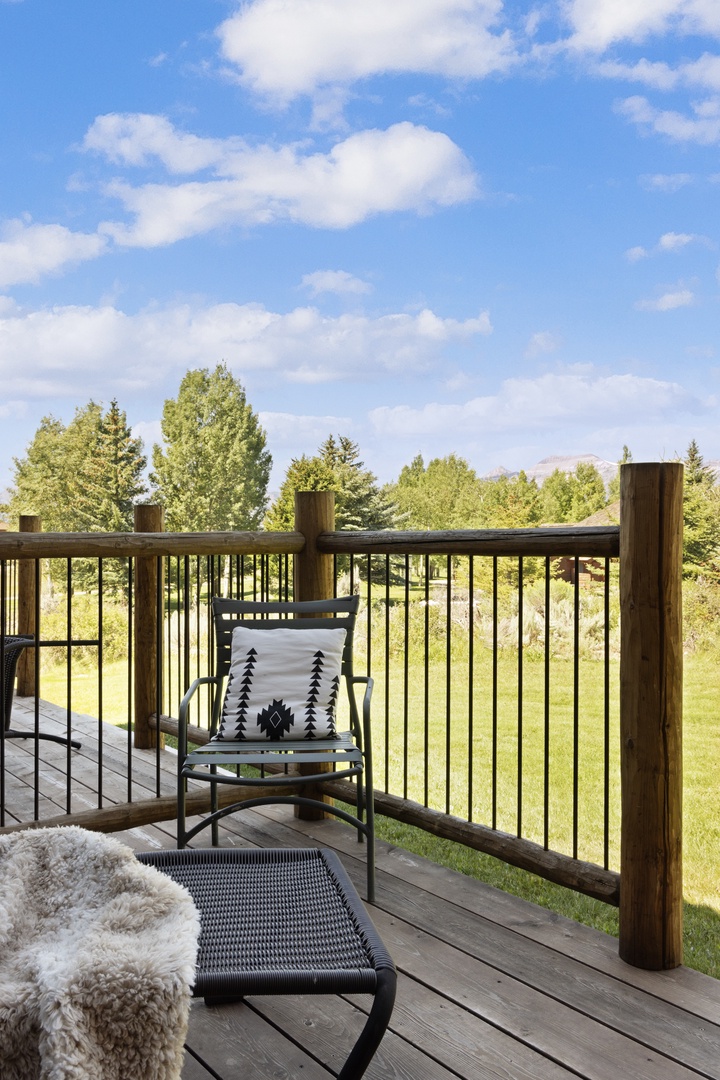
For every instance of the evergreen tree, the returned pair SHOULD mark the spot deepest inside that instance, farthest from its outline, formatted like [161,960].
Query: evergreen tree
[614,487]
[359,502]
[84,477]
[110,480]
[213,470]
[701,513]
[303,474]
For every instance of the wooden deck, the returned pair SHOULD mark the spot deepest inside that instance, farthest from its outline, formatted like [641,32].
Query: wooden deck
[490,987]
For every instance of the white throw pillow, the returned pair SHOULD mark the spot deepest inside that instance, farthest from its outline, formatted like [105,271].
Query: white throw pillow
[283,684]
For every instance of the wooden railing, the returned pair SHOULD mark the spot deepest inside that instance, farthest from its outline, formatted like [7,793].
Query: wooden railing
[648,543]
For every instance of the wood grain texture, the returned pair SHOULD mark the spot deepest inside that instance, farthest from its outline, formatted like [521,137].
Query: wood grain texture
[27,600]
[599,541]
[16,545]
[651,669]
[313,579]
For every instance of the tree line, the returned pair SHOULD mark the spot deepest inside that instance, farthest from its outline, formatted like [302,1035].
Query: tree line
[212,471]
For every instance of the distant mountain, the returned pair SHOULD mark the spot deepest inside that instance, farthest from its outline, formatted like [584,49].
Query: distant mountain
[567,463]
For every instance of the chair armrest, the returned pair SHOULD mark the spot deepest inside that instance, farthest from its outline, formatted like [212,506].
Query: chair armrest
[367,696]
[184,705]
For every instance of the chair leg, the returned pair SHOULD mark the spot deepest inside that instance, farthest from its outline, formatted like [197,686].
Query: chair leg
[375,1027]
[214,826]
[182,785]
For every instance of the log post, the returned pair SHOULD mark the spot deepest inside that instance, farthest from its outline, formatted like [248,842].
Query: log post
[148,518]
[27,606]
[651,668]
[313,580]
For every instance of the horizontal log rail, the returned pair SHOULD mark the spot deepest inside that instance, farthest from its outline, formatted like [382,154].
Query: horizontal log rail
[132,815]
[17,545]
[589,541]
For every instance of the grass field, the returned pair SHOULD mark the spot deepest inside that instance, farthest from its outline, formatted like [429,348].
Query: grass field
[406,711]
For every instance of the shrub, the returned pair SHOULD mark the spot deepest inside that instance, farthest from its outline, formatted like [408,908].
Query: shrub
[85,626]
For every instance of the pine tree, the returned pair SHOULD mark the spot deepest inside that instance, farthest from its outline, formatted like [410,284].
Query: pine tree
[84,477]
[110,480]
[614,486]
[701,513]
[303,474]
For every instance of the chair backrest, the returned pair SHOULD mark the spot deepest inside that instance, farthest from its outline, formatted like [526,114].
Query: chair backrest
[12,646]
[291,614]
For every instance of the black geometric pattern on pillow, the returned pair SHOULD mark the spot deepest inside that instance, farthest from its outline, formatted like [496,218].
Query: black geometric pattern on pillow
[282,683]
[276,719]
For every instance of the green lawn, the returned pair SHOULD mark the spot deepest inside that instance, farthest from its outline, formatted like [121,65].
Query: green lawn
[701,770]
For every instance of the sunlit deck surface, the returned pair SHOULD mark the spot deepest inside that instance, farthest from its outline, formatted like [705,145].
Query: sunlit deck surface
[490,987]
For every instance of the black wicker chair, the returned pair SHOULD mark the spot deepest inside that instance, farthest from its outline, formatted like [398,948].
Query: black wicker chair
[284,921]
[12,646]
[350,754]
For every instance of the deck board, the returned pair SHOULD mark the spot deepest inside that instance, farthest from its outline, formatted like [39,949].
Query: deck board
[489,987]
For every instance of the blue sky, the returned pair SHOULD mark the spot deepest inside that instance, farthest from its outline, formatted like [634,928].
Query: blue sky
[431,225]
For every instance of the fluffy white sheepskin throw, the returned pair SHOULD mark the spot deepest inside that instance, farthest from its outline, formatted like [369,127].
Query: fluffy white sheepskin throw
[97,957]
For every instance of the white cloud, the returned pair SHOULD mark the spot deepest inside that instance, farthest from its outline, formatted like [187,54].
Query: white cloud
[597,24]
[668,301]
[703,72]
[335,281]
[703,127]
[137,138]
[282,50]
[667,183]
[292,430]
[541,343]
[150,431]
[672,241]
[28,251]
[406,167]
[539,404]
[668,242]
[63,350]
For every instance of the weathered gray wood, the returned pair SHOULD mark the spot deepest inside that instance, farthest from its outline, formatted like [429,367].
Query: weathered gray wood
[688,989]
[597,541]
[651,672]
[472,995]
[548,1026]
[237,1043]
[15,545]
[193,1070]
[420,1036]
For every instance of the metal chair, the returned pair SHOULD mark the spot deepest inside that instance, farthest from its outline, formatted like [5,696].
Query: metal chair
[349,753]
[284,921]
[12,646]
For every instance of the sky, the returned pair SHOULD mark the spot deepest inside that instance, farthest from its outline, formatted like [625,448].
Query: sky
[433,226]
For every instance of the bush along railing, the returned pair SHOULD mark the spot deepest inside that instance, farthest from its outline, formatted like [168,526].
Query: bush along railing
[524,704]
